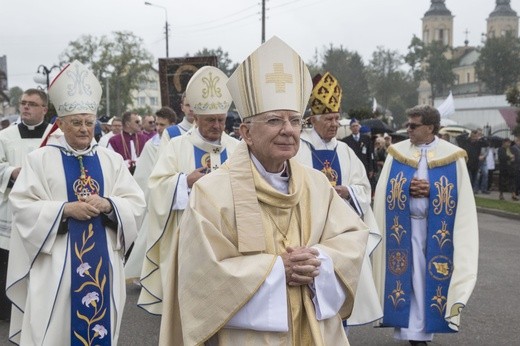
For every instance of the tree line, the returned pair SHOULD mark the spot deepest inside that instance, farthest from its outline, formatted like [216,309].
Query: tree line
[120,61]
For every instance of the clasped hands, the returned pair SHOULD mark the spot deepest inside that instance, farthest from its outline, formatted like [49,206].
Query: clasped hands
[301,265]
[419,188]
[87,208]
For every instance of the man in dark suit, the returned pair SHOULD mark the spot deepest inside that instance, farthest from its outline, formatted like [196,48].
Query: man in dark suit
[362,146]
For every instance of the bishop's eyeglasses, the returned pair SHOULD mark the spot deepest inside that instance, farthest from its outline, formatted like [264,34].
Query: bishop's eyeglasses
[78,123]
[278,123]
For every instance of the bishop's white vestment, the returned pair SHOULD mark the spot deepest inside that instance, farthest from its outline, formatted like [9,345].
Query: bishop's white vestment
[167,200]
[352,174]
[39,275]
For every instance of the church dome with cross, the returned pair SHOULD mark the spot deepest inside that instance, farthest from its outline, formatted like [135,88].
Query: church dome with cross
[438,24]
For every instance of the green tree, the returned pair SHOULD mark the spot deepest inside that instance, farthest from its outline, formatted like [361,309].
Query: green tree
[314,65]
[498,65]
[119,59]
[513,97]
[415,58]
[406,98]
[394,88]
[15,94]
[349,69]
[434,67]
[224,62]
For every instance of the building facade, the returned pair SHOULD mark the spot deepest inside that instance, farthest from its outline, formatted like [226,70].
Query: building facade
[492,113]
[148,93]
[437,25]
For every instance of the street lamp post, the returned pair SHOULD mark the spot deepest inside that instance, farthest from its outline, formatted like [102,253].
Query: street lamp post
[166,27]
[42,69]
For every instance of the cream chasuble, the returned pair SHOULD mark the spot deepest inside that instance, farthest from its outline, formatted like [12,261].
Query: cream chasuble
[207,262]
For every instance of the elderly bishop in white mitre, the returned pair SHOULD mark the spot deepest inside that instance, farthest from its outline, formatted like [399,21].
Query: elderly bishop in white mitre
[76,210]
[267,252]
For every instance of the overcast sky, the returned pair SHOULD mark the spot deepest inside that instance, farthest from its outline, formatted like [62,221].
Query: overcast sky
[36,32]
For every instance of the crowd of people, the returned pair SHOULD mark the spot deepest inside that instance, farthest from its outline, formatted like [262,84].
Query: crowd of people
[493,164]
[272,232]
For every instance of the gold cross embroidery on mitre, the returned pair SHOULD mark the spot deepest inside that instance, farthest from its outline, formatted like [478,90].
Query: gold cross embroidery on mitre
[279,78]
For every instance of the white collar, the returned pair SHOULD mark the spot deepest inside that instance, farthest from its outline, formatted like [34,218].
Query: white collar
[197,132]
[185,124]
[430,145]
[320,144]
[32,127]
[74,152]
[276,180]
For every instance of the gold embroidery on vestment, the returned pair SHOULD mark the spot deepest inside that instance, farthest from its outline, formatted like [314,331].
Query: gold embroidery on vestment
[442,235]
[397,195]
[397,295]
[398,230]
[279,78]
[439,301]
[443,201]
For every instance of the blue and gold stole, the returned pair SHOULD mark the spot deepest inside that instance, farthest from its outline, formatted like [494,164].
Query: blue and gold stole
[203,158]
[439,246]
[90,264]
[326,162]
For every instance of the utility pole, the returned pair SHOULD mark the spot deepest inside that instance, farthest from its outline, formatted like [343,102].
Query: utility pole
[166,26]
[263,21]
[107,91]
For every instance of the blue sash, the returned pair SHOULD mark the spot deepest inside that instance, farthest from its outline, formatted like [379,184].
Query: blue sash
[90,263]
[326,162]
[203,158]
[439,246]
[173,131]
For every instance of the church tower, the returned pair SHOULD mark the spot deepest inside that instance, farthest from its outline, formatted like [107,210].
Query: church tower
[438,24]
[502,20]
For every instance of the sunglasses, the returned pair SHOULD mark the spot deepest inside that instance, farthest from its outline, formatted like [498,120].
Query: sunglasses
[413,126]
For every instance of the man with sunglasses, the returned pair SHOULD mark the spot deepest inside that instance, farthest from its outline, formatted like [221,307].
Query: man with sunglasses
[130,142]
[426,268]
[185,159]
[149,126]
[15,143]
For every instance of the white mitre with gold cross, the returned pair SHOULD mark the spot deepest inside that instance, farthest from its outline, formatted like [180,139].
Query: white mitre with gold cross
[207,93]
[273,77]
[75,90]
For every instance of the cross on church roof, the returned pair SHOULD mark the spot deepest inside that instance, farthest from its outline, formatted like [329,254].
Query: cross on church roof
[278,77]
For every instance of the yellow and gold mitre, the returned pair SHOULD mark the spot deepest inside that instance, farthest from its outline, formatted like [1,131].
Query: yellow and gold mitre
[326,95]
[273,77]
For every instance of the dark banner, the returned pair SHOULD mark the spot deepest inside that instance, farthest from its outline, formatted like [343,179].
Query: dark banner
[174,75]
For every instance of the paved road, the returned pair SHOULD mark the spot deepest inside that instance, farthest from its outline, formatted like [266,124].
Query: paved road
[491,317]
